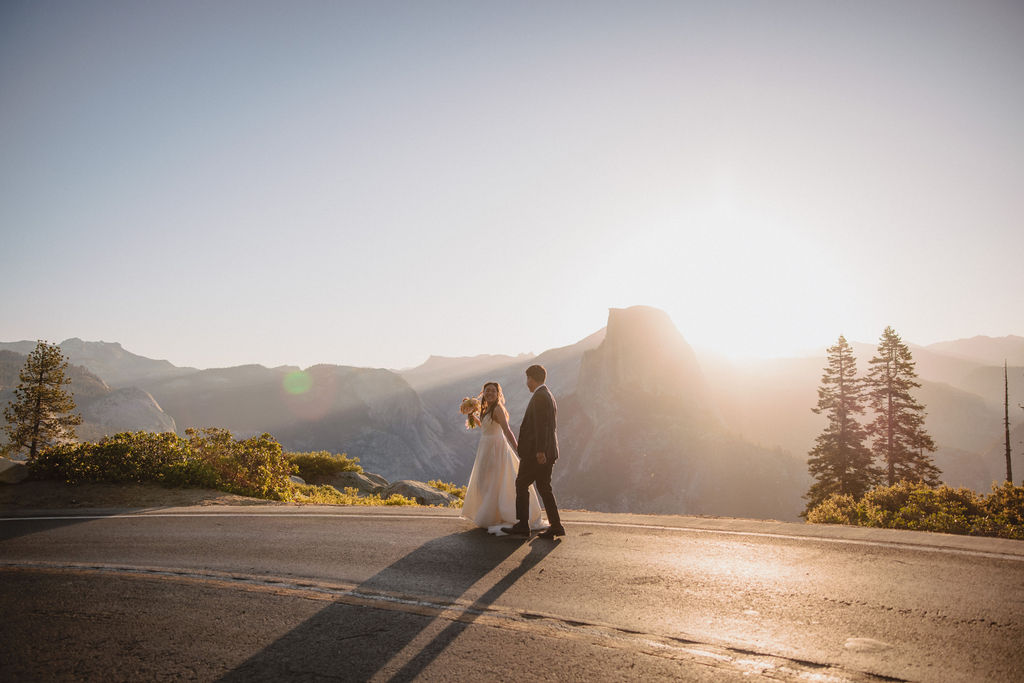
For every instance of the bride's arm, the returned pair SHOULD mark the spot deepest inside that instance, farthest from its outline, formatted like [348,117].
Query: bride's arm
[502,420]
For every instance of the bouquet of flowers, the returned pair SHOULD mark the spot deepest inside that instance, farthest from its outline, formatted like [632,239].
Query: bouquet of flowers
[471,409]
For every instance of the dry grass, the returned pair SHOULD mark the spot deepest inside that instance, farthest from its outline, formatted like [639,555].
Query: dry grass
[55,495]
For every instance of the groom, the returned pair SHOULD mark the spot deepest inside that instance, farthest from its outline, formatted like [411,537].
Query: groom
[538,450]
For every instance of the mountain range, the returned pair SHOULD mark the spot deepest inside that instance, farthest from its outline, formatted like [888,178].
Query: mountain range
[646,423]
[104,410]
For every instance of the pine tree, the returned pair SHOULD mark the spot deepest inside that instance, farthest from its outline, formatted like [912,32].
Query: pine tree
[840,461]
[899,439]
[41,415]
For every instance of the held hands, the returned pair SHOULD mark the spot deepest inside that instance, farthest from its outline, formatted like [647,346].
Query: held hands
[541,458]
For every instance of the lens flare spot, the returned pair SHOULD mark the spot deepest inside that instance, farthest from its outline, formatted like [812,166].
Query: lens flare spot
[298,382]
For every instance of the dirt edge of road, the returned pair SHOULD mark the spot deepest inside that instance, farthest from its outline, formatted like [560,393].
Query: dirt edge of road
[56,495]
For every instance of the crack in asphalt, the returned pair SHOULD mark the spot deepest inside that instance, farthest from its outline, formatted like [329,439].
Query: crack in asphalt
[741,660]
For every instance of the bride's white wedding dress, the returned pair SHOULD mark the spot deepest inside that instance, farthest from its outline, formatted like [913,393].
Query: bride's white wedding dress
[491,493]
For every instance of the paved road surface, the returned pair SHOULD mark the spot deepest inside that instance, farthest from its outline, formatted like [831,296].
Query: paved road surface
[305,593]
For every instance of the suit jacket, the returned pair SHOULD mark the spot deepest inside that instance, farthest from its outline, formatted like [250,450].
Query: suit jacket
[538,432]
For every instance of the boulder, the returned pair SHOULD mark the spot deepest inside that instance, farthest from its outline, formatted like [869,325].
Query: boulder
[12,472]
[422,493]
[356,480]
[297,480]
[376,479]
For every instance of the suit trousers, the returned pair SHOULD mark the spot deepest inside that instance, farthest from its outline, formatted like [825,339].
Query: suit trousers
[530,472]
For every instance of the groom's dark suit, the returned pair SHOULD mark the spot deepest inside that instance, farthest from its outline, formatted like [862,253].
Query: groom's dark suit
[537,434]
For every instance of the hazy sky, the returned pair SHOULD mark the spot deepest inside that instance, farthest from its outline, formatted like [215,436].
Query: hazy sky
[218,183]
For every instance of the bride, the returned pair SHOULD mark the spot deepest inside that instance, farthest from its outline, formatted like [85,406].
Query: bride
[491,493]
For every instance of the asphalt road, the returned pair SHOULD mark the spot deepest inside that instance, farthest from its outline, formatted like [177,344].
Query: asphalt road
[305,593]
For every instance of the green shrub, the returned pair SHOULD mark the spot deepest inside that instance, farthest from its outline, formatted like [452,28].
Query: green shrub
[322,495]
[838,508]
[1005,510]
[58,462]
[189,474]
[207,458]
[398,499]
[457,491]
[917,506]
[253,467]
[880,506]
[328,495]
[320,465]
[121,458]
[943,509]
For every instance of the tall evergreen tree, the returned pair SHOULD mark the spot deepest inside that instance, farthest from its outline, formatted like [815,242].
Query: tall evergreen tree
[41,413]
[840,461]
[898,437]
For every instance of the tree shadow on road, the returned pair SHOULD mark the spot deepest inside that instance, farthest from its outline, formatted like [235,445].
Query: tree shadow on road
[351,642]
[15,526]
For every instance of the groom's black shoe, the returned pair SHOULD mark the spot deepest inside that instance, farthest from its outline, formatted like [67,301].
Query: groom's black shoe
[517,530]
[552,532]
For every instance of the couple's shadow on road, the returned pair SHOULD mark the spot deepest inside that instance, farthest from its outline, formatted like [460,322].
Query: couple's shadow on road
[351,642]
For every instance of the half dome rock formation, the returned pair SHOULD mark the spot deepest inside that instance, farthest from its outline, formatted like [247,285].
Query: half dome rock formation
[644,365]
[640,433]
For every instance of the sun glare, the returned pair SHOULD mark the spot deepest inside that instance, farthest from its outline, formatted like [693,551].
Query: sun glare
[740,287]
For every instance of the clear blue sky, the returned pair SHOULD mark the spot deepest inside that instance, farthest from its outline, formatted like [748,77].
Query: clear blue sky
[218,183]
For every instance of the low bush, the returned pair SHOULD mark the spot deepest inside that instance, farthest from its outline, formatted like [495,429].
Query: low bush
[250,467]
[917,506]
[328,495]
[320,465]
[1004,508]
[122,458]
[207,458]
[836,509]
[457,491]
[322,495]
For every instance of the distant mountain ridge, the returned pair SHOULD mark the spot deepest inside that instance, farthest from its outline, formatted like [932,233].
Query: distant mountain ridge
[104,410]
[372,414]
[646,422]
[444,370]
[109,360]
[985,350]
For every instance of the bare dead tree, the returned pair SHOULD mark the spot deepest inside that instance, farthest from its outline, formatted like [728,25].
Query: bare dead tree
[1006,422]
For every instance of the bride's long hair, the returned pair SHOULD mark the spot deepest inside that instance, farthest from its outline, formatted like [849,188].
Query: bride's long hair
[488,408]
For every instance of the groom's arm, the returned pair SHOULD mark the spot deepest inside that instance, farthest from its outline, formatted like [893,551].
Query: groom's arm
[545,427]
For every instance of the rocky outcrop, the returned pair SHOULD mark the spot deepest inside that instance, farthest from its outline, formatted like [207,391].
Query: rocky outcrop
[422,493]
[363,483]
[376,479]
[12,471]
[124,410]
